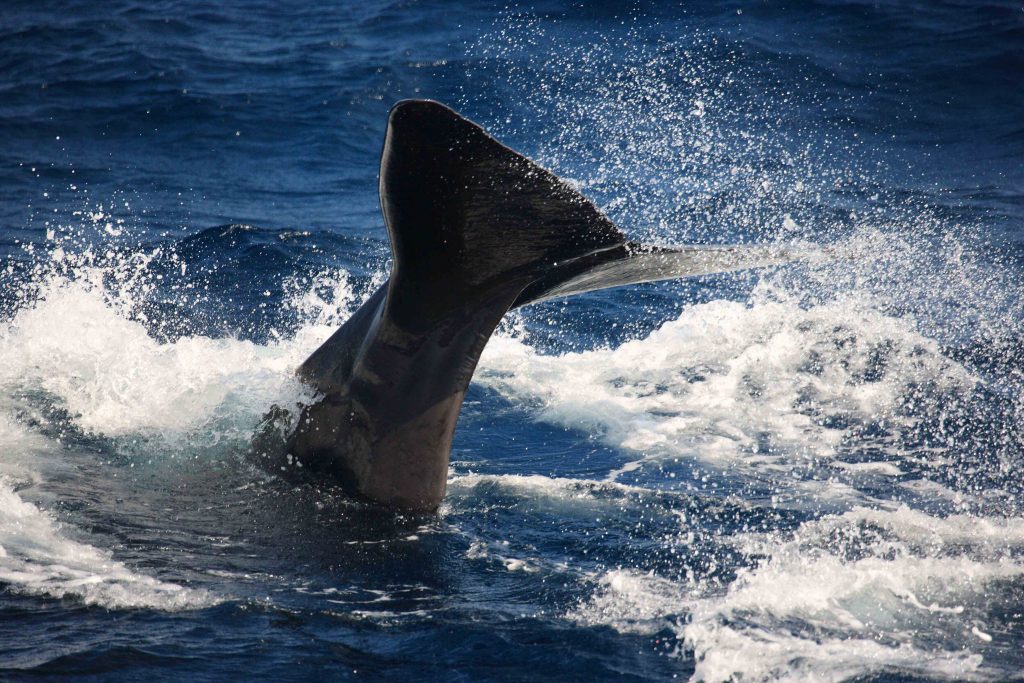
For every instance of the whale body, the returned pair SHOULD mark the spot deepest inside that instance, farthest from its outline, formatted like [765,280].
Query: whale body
[476,229]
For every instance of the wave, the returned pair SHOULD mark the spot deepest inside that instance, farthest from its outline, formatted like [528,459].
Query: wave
[80,365]
[843,596]
[38,558]
[767,389]
[827,408]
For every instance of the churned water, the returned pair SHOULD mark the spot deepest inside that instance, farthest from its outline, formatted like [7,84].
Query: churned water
[810,472]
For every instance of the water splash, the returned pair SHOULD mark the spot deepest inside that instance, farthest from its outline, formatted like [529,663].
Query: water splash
[85,362]
[874,399]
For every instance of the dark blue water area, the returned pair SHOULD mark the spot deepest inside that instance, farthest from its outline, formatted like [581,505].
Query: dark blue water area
[636,493]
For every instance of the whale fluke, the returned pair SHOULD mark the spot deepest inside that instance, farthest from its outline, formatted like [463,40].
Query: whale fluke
[476,229]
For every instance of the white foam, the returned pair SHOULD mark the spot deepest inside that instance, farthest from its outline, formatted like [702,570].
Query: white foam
[887,469]
[81,343]
[735,385]
[114,379]
[36,558]
[634,602]
[498,551]
[847,595]
[913,579]
[535,486]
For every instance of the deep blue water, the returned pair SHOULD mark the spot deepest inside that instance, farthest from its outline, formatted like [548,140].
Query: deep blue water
[810,472]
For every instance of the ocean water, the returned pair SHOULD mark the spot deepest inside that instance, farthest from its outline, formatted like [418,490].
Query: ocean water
[803,473]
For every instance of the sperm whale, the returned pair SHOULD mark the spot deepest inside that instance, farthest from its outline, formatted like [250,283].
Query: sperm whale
[476,230]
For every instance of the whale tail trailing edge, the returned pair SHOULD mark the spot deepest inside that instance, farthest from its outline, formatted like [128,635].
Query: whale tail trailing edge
[465,212]
[475,229]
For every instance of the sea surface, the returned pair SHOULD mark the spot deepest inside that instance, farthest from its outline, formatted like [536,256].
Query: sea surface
[810,472]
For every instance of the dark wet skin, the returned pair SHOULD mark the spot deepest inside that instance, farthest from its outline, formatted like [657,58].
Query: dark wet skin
[476,229]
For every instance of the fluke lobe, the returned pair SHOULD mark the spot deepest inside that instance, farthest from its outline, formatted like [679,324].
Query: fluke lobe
[476,230]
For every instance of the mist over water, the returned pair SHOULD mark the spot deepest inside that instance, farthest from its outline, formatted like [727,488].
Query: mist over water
[809,472]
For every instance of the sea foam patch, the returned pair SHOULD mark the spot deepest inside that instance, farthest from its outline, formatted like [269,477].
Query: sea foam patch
[38,558]
[77,344]
[766,386]
[843,596]
[859,593]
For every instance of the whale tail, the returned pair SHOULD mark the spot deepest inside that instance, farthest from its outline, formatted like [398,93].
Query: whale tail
[476,229]
[466,214]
